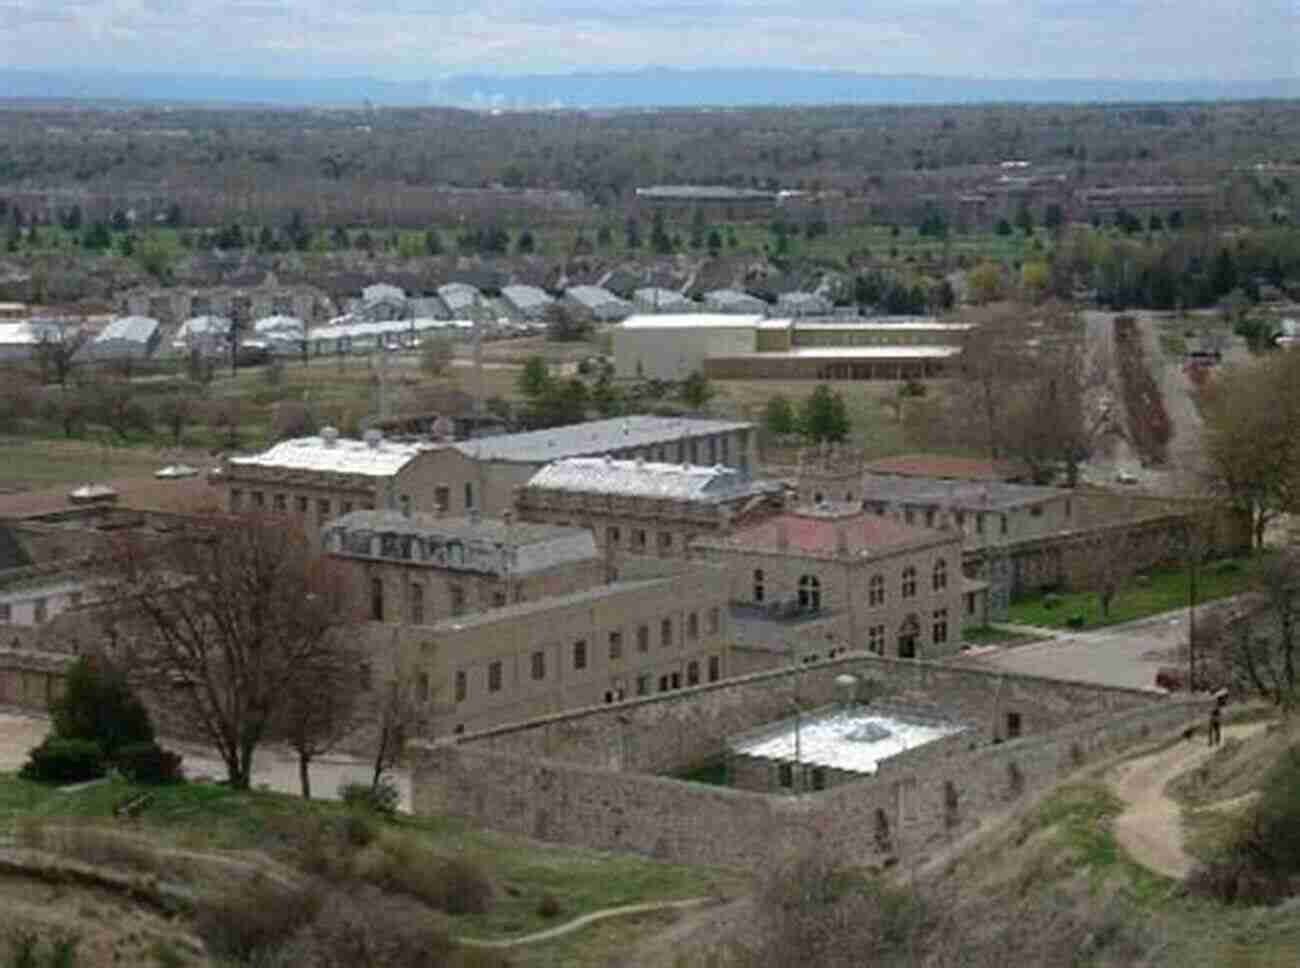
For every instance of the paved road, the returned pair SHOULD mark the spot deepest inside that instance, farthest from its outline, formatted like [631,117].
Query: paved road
[1123,655]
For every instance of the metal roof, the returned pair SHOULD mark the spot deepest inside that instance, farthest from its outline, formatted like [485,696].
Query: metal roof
[692,321]
[637,478]
[342,455]
[967,495]
[488,545]
[591,439]
[853,738]
[137,329]
[203,326]
[526,298]
[459,296]
[850,353]
[719,298]
[383,290]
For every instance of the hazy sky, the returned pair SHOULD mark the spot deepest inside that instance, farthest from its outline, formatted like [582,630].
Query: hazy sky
[405,39]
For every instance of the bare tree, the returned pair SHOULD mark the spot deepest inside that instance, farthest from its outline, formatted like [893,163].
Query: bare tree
[219,623]
[177,411]
[397,718]
[1261,646]
[320,705]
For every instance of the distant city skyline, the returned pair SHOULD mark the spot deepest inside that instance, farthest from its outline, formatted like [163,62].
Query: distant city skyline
[404,40]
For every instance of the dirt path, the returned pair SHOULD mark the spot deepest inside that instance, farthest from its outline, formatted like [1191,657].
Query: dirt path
[696,931]
[1151,828]
[577,924]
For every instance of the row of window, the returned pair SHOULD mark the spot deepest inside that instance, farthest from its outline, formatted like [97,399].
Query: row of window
[301,504]
[537,672]
[416,613]
[810,595]
[638,539]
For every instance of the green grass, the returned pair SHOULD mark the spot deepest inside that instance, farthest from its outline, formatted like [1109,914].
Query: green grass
[45,461]
[994,635]
[1164,590]
[214,817]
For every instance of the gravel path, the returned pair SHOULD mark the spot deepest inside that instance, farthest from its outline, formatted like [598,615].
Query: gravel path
[1151,827]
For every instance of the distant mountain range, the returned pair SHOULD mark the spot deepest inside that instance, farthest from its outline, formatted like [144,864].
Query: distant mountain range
[652,87]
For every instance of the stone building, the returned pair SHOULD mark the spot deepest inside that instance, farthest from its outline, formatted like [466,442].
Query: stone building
[815,581]
[418,568]
[644,507]
[658,627]
[317,478]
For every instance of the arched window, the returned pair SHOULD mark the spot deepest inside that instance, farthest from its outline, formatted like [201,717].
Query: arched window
[759,590]
[810,593]
[909,582]
[940,574]
[908,634]
[876,591]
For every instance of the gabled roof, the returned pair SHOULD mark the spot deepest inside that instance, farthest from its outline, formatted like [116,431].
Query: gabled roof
[636,478]
[137,329]
[593,438]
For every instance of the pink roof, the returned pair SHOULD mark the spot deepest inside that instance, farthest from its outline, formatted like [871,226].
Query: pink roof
[819,534]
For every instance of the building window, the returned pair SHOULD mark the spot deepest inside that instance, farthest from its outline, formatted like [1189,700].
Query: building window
[280,502]
[760,589]
[259,500]
[810,593]
[909,582]
[469,496]
[1067,507]
[819,778]
[665,541]
[366,676]
[979,524]
[1013,725]
[457,599]
[908,634]
[442,498]
[498,599]
[663,683]
[692,673]
[676,679]
[236,498]
[940,626]
[960,517]
[715,620]
[377,599]
[970,603]
[580,654]
[929,517]
[909,516]
[462,685]
[494,676]
[940,577]
[642,685]
[323,508]
[1036,511]
[615,645]
[876,591]
[785,775]
[417,604]
[876,639]
[643,638]
[539,665]
[346,507]
[715,668]
[639,539]
[300,504]
[422,687]
[666,632]
[692,626]
[1003,524]
[39,610]
[611,537]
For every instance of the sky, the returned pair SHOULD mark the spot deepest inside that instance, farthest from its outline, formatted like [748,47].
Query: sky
[418,39]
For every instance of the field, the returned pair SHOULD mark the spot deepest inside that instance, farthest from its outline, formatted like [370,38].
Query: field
[1161,591]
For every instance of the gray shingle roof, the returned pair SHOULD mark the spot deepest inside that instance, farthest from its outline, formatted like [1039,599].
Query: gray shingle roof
[592,439]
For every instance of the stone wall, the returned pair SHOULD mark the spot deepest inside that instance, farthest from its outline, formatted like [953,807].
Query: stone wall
[903,811]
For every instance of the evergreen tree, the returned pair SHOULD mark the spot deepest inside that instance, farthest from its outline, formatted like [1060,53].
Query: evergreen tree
[824,416]
[98,705]
[526,244]
[659,239]
[433,243]
[632,232]
[778,416]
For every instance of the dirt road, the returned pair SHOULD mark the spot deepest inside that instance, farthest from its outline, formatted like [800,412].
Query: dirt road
[1151,827]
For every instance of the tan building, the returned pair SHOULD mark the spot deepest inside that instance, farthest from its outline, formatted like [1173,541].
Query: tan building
[645,507]
[419,568]
[317,478]
[657,627]
[832,578]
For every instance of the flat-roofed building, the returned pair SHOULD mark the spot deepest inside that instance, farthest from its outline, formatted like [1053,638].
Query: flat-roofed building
[658,626]
[671,346]
[721,202]
[644,507]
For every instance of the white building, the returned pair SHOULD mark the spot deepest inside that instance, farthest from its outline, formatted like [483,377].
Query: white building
[672,346]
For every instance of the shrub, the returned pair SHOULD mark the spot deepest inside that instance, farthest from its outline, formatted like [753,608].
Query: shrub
[257,918]
[1076,621]
[402,865]
[98,705]
[1051,600]
[64,761]
[366,928]
[382,798]
[1226,567]
[149,763]
[548,906]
